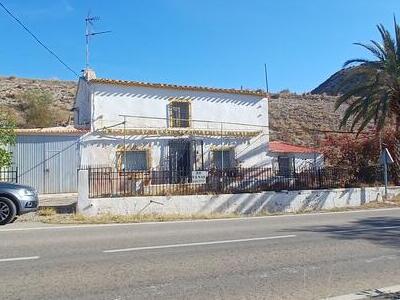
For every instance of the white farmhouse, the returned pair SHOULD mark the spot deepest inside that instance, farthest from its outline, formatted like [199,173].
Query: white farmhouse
[138,126]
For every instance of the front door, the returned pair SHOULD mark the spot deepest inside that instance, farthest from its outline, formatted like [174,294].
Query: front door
[179,161]
[53,172]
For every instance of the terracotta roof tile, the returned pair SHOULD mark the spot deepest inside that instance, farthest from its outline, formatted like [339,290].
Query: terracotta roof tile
[281,147]
[69,130]
[259,93]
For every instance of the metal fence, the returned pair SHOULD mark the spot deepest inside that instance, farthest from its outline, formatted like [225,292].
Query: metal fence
[9,175]
[108,182]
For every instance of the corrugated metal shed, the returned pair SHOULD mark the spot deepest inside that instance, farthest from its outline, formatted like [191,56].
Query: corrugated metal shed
[47,160]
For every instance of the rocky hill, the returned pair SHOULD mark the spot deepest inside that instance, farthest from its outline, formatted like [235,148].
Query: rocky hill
[336,84]
[301,119]
[291,115]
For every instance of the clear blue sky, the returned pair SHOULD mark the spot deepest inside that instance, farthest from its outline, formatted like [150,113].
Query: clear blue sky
[220,43]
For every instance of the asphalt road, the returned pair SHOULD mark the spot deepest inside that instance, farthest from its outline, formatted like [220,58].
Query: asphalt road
[285,257]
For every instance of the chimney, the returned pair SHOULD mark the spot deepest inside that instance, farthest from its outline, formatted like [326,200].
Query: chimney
[89,74]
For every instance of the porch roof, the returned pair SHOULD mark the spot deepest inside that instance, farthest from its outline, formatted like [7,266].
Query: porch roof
[280,147]
[183,131]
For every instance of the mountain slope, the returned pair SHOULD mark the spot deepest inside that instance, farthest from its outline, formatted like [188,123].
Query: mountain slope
[336,84]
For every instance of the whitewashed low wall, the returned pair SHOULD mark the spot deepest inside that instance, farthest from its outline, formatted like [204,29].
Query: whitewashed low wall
[255,203]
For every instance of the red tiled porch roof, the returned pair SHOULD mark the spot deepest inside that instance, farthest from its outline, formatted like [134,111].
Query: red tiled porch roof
[281,147]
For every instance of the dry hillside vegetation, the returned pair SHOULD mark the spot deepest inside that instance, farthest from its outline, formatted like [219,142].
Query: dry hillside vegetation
[13,90]
[290,114]
[293,116]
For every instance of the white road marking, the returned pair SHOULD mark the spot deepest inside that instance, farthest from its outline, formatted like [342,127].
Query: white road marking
[368,294]
[50,227]
[19,258]
[199,244]
[380,258]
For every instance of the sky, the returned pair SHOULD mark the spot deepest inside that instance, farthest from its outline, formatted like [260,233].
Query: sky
[217,43]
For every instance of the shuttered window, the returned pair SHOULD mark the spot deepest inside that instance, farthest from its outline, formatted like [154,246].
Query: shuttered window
[133,160]
[223,159]
[179,112]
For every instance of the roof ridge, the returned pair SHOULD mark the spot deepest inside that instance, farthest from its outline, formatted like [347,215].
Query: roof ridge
[180,87]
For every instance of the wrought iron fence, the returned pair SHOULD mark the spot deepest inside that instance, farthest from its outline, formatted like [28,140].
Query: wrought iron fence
[108,182]
[9,175]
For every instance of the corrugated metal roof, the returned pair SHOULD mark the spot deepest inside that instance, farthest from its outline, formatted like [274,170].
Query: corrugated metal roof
[281,147]
[68,130]
[178,87]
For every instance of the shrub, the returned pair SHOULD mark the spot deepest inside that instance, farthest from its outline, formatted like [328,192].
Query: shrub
[358,153]
[39,111]
[7,138]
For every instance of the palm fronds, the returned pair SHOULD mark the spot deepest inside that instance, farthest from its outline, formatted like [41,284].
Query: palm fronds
[376,98]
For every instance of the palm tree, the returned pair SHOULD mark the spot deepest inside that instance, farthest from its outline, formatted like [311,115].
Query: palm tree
[375,93]
[374,96]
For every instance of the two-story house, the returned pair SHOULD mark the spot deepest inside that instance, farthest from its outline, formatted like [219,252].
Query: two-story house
[138,126]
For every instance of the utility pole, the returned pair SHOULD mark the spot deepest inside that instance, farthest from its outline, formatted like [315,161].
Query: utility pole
[266,77]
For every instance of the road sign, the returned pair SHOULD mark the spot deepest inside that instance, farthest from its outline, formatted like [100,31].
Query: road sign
[385,157]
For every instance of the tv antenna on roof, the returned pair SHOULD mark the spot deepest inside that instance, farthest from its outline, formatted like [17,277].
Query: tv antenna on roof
[89,21]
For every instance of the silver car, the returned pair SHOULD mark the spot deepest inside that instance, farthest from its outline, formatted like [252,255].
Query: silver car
[15,200]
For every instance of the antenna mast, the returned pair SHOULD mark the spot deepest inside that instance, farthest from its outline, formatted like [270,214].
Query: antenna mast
[89,22]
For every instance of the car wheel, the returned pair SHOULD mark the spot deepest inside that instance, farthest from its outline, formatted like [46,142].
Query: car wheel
[7,211]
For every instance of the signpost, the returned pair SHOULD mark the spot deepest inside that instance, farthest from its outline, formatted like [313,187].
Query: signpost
[385,159]
[199,177]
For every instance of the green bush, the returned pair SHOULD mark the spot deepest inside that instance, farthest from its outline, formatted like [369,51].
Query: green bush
[39,111]
[7,138]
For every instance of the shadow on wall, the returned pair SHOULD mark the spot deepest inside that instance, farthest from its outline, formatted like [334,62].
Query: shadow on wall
[384,231]
[157,94]
[280,202]
[290,201]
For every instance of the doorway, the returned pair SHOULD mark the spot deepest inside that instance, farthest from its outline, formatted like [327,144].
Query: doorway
[179,161]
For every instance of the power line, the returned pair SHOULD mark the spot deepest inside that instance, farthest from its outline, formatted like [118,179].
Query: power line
[37,39]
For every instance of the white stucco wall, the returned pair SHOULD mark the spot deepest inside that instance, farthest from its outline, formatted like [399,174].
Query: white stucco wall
[246,204]
[101,150]
[106,103]
[301,160]
[82,105]
[110,101]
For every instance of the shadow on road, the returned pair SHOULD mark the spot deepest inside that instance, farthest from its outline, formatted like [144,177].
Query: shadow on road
[384,231]
[379,295]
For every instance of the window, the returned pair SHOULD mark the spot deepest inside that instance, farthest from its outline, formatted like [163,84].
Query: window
[179,114]
[286,165]
[133,160]
[223,159]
